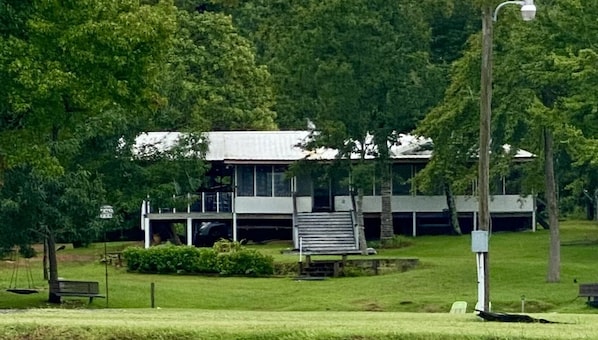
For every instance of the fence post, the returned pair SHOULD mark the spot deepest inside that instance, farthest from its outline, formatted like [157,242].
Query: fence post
[152,294]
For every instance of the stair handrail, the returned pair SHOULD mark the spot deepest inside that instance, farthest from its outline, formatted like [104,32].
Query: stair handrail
[294,221]
[354,220]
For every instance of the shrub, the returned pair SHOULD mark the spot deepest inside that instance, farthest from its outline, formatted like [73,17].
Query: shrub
[168,259]
[207,262]
[133,257]
[245,262]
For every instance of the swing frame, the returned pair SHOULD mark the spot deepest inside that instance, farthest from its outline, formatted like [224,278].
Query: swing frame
[14,278]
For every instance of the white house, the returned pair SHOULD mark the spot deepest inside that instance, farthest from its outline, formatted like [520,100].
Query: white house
[259,198]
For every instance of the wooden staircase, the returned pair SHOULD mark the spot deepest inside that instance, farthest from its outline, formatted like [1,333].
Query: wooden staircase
[327,233]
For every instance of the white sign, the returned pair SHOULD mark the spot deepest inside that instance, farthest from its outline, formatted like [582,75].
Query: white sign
[106,211]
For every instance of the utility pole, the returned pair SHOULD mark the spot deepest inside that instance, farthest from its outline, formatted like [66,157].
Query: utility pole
[484,156]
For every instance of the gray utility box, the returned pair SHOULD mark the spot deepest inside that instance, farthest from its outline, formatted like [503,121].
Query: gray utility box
[479,241]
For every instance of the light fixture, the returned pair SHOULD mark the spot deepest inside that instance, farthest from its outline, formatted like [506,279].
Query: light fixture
[528,9]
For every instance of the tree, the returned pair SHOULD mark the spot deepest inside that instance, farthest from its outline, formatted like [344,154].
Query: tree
[357,66]
[212,81]
[76,72]
[536,99]
[552,98]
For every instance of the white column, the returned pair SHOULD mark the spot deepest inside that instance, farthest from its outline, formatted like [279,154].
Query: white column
[145,223]
[148,233]
[235,226]
[189,231]
[414,223]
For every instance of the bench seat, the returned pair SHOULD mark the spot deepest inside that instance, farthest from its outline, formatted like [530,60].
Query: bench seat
[589,290]
[70,288]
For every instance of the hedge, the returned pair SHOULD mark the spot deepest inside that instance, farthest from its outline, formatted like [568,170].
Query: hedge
[231,259]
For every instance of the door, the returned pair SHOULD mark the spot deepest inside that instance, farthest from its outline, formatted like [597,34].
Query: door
[322,194]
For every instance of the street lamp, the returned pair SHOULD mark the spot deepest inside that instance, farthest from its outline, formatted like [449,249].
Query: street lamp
[528,9]
[479,240]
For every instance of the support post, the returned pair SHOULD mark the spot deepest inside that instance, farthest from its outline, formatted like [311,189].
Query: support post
[484,150]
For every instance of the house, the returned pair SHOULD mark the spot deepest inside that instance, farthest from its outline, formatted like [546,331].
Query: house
[257,198]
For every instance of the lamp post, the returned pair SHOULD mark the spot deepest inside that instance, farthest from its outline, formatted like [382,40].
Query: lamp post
[106,212]
[481,235]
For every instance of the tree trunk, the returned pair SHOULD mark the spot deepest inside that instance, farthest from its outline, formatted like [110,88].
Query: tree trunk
[363,246]
[554,257]
[452,209]
[175,239]
[52,298]
[45,260]
[386,227]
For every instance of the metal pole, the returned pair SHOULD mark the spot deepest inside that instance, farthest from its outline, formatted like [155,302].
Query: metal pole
[484,150]
[106,262]
[106,212]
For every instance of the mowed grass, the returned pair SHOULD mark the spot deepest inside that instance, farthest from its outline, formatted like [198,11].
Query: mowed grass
[408,305]
[221,324]
[446,273]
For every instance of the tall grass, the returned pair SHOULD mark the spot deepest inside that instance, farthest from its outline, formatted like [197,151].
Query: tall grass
[447,272]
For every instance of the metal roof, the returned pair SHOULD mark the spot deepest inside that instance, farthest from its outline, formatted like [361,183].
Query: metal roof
[274,146]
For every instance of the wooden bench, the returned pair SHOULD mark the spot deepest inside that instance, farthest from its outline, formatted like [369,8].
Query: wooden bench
[115,258]
[589,290]
[89,289]
[338,265]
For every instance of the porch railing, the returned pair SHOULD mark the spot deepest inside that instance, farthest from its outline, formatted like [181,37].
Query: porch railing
[202,202]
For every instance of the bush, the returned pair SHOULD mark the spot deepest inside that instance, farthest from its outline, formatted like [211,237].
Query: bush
[245,262]
[225,259]
[207,261]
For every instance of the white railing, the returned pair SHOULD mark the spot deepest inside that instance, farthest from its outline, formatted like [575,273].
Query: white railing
[202,202]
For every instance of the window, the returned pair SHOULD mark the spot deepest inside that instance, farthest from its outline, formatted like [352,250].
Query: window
[245,179]
[282,185]
[263,180]
[304,185]
[401,174]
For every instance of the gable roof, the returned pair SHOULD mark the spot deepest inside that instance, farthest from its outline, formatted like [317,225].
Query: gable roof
[275,147]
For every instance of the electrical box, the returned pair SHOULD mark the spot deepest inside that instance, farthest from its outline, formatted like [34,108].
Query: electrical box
[479,241]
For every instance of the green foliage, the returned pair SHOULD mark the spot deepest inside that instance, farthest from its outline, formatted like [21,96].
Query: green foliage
[163,259]
[211,80]
[76,71]
[207,262]
[286,268]
[245,262]
[170,259]
[518,268]
[396,242]
[27,252]
[67,205]
[226,246]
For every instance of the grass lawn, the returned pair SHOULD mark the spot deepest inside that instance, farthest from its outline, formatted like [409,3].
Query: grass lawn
[446,273]
[225,324]
[415,303]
